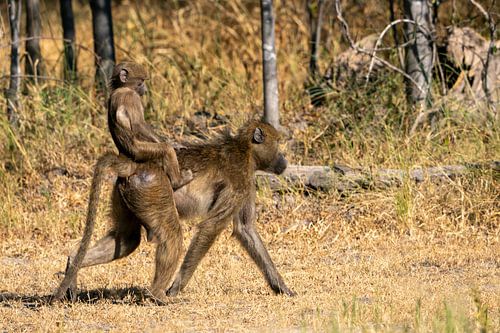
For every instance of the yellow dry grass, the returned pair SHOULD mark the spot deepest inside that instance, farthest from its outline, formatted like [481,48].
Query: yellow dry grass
[418,258]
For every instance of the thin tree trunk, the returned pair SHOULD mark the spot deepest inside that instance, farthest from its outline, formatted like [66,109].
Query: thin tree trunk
[104,46]
[11,94]
[395,33]
[68,24]
[269,72]
[34,61]
[315,22]
[419,55]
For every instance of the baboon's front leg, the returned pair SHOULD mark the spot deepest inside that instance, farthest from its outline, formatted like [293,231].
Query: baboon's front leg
[208,231]
[247,235]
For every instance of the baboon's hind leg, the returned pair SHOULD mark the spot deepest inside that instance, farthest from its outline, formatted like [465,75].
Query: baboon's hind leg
[159,216]
[168,255]
[162,223]
[120,241]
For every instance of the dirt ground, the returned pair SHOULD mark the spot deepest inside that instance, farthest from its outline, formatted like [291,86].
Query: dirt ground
[368,281]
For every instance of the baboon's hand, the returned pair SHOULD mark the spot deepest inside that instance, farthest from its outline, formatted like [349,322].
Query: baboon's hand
[158,297]
[287,291]
[186,178]
[173,290]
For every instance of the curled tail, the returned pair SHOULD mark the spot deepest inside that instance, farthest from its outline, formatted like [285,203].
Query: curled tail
[106,161]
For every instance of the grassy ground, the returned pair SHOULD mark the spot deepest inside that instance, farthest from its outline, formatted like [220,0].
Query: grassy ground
[419,257]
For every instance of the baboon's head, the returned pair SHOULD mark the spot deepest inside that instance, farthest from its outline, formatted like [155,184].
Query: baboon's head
[129,74]
[264,140]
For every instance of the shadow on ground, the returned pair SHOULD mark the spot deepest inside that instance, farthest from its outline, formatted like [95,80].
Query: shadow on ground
[126,296]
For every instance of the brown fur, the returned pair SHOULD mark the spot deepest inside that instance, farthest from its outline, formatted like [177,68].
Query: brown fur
[136,142]
[223,190]
[120,167]
[157,215]
[133,137]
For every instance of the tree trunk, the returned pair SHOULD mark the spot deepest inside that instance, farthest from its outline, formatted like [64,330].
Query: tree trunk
[104,46]
[419,57]
[34,65]
[315,13]
[392,18]
[269,72]
[68,24]
[11,94]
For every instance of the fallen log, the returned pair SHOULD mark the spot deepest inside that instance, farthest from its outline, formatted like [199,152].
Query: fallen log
[343,178]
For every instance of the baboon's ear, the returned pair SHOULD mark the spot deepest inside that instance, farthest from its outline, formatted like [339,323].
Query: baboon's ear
[123,75]
[258,135]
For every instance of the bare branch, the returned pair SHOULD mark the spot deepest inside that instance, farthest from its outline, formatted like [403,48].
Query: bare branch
[379,40]
[347,35]
[481,9]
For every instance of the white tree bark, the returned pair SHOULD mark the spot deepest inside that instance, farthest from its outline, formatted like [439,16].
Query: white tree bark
[269,71]
[11,94]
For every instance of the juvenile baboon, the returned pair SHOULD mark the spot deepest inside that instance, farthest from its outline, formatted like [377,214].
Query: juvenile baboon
[223,189]
[131,134]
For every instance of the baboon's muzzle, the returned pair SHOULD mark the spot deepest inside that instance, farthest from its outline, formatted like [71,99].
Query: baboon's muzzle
[279,165]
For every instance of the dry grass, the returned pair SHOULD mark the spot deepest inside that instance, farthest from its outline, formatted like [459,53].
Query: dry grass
[414,258]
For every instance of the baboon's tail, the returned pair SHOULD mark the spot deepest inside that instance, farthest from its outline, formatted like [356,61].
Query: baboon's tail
[106,161]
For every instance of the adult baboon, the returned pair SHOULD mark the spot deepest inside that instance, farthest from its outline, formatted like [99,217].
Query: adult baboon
[223,189]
